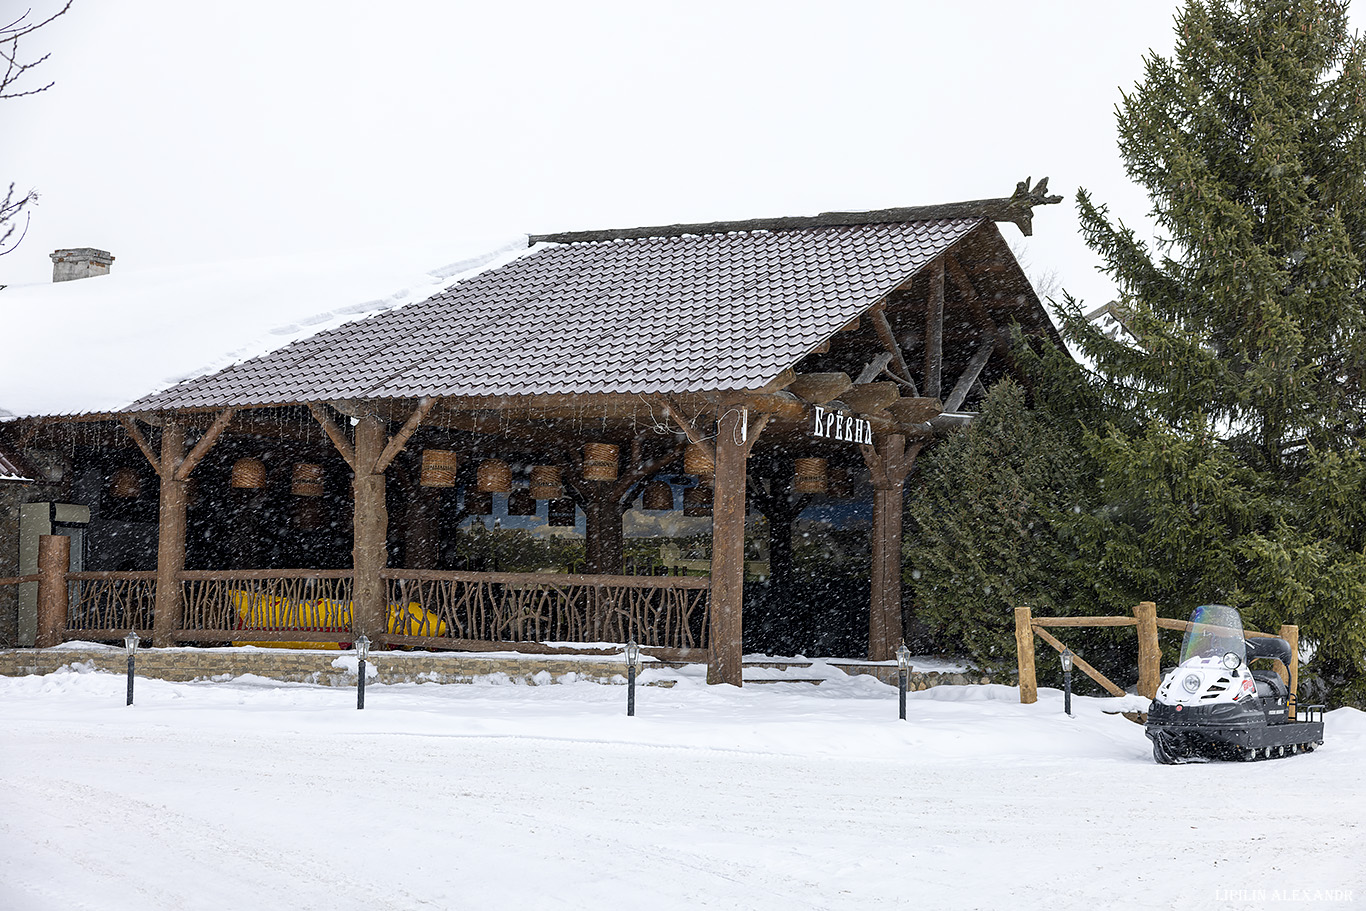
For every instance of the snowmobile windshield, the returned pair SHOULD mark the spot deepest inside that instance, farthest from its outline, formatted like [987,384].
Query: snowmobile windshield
[1214,631]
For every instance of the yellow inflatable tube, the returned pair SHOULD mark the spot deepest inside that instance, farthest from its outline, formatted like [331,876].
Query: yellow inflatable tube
[261,613]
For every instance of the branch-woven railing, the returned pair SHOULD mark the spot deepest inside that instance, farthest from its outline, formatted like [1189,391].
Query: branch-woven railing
[106,605]
[658,611]
[289,604]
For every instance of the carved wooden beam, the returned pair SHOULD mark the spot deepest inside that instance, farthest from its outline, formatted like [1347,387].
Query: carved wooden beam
[400,439]
[141,440]
[187,465]
[334,433]
[884,332]
[970,375]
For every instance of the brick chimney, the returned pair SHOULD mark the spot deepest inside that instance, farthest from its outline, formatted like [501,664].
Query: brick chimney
[82,262]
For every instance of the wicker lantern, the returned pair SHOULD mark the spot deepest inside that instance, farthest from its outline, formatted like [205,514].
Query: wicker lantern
[478,503]
[307,480]
[600,462]
[697,502]
[438,468]
[248,474]
[521,503]
[657,496]
[561,513]
[547,482]
[125,484]
[697,462]
[809,476]
[495,476]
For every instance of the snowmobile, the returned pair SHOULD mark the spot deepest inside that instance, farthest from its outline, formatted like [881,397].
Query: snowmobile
[1213,705]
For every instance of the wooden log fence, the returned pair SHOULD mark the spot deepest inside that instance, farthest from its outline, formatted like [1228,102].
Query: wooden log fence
[468,611]
[1147,624]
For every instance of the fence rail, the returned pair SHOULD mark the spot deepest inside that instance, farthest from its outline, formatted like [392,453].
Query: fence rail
[1148,623]
[657,611]
[297,600]
[106,605]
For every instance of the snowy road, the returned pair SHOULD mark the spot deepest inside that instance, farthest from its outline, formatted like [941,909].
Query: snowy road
[249,794]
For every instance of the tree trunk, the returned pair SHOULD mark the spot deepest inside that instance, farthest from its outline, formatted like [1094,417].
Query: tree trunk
[370,549]
[166,611]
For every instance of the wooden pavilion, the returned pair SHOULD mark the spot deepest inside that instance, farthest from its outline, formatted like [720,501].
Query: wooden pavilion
[742,361]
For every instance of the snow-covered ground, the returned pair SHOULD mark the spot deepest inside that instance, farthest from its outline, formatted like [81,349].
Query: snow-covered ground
[258,795]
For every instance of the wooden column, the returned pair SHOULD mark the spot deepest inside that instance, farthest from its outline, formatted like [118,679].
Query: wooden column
[1149,654]
[370,518]
[889,461]
[1024,655]
[728,549]
[934,329]
[54,562]
[166,617]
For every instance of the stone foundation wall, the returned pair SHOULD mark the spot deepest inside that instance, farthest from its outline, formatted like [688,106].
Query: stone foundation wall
[316,666]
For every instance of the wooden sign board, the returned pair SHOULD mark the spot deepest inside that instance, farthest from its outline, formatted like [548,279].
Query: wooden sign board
[836,426]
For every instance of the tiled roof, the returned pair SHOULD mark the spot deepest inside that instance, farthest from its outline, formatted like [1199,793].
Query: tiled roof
[691,313]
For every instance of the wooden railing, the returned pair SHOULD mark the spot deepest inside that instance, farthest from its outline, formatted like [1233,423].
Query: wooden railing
[106,605]
[1147,623]
[428,608]
[297,605]
[509,609]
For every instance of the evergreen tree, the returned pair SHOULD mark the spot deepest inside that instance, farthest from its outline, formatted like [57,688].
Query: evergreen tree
[1240,477]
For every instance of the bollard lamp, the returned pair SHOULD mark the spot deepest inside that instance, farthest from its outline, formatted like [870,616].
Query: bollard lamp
[362,645]
[130,643]
[632,660]
[1066,657]
[903,673]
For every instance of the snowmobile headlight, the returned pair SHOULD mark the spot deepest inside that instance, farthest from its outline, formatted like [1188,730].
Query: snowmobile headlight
[1191,683]
[1231,661]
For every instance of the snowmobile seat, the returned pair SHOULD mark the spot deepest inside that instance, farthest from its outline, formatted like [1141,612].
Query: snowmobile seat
[1269,685]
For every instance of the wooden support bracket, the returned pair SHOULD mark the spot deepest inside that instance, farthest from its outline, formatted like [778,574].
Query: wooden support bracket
[400,439]
[220,424]
[334,433]
[141,440]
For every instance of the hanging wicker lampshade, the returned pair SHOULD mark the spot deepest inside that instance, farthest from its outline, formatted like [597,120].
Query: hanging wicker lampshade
[547,482]
[561,513]
[697,462]
[809,476]
[125,484]
[438,468]
[600,461]
[657,496]
[248,474]
[310,513]
[521,503]
[307,480]
[478,503]
[494,476]
[697,501]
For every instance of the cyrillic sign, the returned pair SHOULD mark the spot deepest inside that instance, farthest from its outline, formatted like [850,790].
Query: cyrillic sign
[836,426]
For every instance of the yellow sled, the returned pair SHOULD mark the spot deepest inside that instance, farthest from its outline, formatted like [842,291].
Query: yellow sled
[257,612]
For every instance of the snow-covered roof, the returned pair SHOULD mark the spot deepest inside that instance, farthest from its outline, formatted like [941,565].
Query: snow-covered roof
[97,344]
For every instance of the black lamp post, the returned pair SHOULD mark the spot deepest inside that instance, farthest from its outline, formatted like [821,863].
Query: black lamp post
[632,656]
[1067,680]
[903,671]
[130,642]
[362,652]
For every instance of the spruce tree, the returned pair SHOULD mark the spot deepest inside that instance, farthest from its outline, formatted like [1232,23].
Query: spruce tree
[1240,475]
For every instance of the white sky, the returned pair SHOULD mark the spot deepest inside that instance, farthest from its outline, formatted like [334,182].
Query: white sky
[190,132]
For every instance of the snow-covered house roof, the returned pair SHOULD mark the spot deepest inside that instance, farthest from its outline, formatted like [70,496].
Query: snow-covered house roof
[98,344]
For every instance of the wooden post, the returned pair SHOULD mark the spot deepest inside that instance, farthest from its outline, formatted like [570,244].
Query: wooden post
[1149,653]
[889,461]
[728,550]
[1291,675]
[1024,653]
[934,329]
[166,617]
[54,562]
[370,523]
